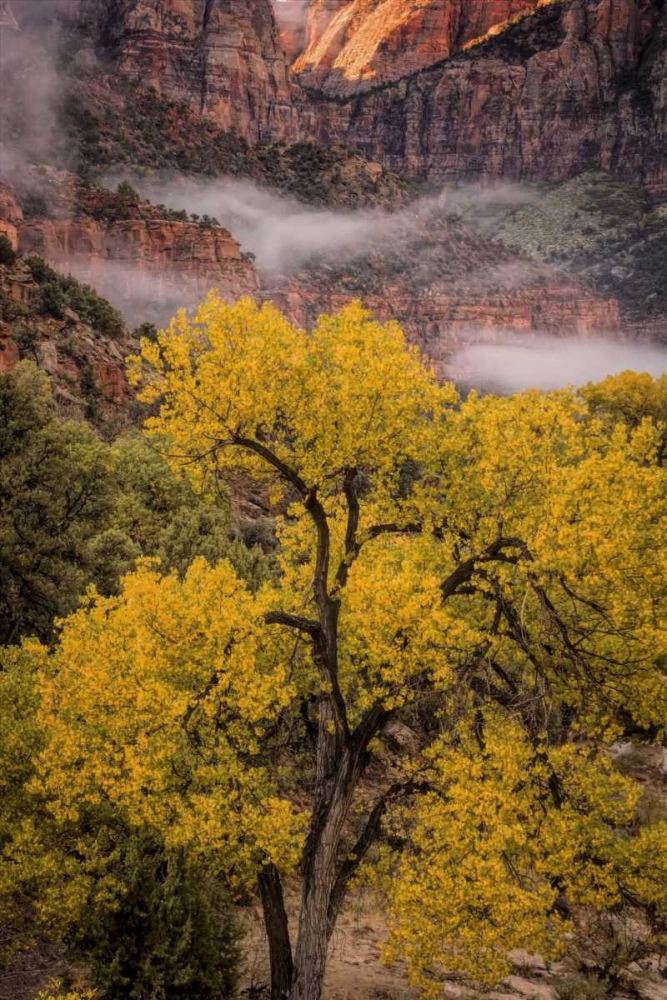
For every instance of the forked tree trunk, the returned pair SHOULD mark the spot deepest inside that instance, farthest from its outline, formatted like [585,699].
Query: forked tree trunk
[317,917]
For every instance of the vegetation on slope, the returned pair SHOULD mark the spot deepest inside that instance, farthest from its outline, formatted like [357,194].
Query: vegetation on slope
[602,230]
[71,331]
[121,123]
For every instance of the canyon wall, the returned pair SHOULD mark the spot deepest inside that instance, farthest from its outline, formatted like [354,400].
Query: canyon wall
[440,323]
[578,83]
[176,260]
[226,59]
[355,44]
[447,286]
[435,89]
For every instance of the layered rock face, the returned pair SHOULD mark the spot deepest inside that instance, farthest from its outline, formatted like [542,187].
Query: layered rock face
[224,57]
[440,324]
[177,262]
[148,260]
[11,215]
[355,44]
[578,83]
[448,286]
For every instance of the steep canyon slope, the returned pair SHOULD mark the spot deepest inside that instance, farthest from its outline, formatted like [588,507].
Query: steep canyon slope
[436,89]
[226,59]
[574,85]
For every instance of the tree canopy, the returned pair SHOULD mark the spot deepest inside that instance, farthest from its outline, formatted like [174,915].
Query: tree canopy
[468,612]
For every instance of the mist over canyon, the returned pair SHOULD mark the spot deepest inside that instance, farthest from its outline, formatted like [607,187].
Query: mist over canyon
[303,207]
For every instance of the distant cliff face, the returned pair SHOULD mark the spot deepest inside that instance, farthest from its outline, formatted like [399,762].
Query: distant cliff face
[148,260]
[437,89]
[458,287]
[355,44]
[177,261]
[225,58]
[578,83]
[440,323]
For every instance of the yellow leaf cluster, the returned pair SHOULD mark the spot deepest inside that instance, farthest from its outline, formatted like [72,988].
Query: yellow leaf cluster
[155,702]
[350,394]
[490,851]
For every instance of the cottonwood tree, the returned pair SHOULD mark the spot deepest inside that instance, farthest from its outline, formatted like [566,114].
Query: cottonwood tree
[470,610]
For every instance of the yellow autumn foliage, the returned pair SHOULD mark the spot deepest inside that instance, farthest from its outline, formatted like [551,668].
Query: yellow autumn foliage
[156,702]
[491,573]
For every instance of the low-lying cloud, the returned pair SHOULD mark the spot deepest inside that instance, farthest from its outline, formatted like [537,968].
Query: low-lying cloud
[280,231]
[284,234]
[516,364]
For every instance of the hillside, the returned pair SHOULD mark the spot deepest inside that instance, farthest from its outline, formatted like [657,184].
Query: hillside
[604,232]
[73,334]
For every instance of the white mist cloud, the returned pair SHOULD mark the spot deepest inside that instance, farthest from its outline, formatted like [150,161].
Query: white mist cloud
[142,295]
[283,233]
[30,84]
[291,15]
[527,362]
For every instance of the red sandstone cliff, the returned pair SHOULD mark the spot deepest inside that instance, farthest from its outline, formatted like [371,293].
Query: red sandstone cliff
[70,350]
[354,44]
[573,85]
[177,260]
[447,286]
[225,59]
[440,322]
[11,215]
[578,83]
[142,257]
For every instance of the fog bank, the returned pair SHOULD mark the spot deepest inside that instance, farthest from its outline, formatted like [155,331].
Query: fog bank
[284,234]
[529,362]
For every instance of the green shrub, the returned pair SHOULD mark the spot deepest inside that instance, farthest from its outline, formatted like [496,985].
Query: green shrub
[171,936]
[59,292]
[90,391]
[583,986]
[52,300]
[10,309]
[27,340]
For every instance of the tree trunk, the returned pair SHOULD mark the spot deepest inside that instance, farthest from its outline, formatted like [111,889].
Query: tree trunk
[277,932]
[320,864]
[311,953]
